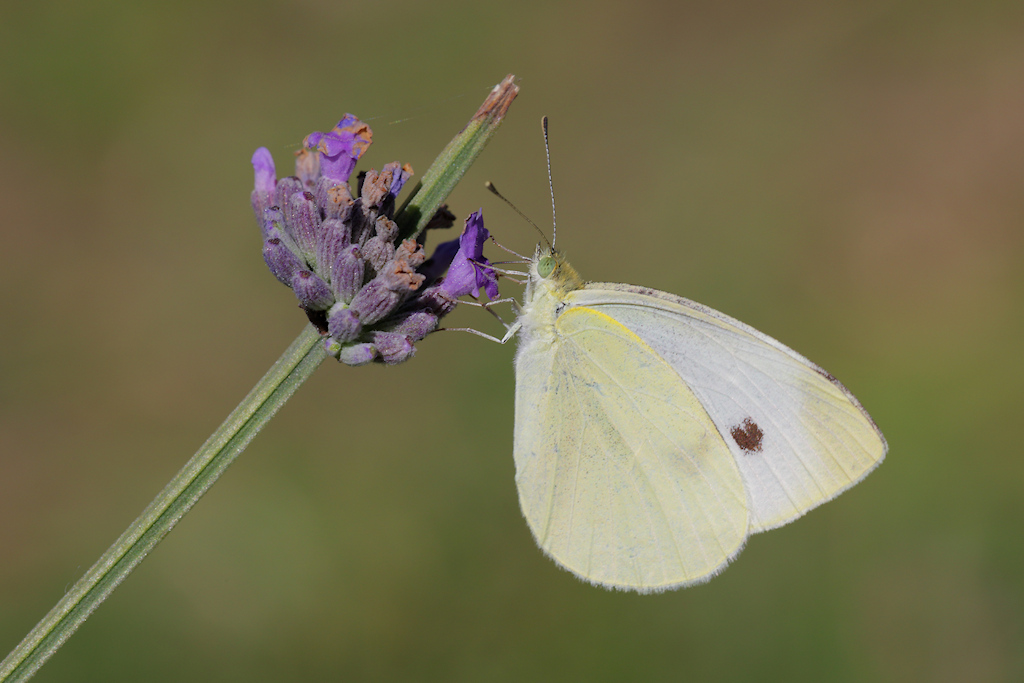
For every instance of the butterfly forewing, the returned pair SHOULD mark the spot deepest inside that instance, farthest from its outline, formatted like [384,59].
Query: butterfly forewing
[622,475]
[798,437]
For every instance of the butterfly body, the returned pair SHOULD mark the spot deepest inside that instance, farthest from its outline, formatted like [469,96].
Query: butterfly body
[653,434]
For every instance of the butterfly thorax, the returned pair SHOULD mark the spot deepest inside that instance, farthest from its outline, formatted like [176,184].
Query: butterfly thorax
[551,278]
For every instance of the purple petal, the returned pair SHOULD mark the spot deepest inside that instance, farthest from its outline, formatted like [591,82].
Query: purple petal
[312,140]
[401,175]
[349,121]
[466,275]
[266,174]
[440,260]
[341,147]
[266,180]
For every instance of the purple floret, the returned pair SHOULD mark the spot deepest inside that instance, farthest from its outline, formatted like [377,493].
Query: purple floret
[468,272]
[263,167]
[340,148]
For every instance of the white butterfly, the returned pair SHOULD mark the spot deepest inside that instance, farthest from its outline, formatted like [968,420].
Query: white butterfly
[653,434]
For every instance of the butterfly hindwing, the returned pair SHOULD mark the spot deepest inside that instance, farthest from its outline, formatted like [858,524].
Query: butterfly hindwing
[623,477]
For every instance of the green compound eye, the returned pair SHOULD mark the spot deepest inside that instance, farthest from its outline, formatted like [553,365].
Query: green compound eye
[545,266]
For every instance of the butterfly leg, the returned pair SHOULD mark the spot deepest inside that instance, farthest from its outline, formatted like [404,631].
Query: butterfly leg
[502,271]
[508,335]
[487,307]
[511,331]
[471,331]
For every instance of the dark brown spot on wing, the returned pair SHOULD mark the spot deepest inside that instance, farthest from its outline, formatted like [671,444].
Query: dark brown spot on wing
[748,436]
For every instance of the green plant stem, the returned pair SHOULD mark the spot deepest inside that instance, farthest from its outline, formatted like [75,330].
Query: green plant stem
[292,369]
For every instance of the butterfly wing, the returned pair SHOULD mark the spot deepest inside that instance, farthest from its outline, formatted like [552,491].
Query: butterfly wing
[623,477]
[798,436]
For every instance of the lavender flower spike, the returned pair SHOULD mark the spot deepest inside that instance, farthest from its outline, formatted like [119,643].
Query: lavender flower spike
[466,275]
[371,294]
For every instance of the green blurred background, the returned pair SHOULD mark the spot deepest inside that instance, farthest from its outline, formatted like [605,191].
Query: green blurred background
[846,176]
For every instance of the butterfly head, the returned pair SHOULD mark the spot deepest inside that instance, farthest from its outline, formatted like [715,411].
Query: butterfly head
[549,270]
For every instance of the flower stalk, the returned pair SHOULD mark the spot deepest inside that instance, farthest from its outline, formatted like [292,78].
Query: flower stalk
[292,250]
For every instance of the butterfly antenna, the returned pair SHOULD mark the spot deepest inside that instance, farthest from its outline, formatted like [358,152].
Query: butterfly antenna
[551,185]
[490,186]
[501,246]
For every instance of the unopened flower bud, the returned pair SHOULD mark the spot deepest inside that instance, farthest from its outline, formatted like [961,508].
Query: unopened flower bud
[416,325]
[332,241]
[332,347]
[377,251]
[374,301]
[265,173]
[342,324]
[313,293]
[386,228]
[393,347]
[286,187]
[334,198]
[302,220]
[437,300]
[273,218]
[281,261]
[347,274]
[265,182]
[307,167]
[357,354]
